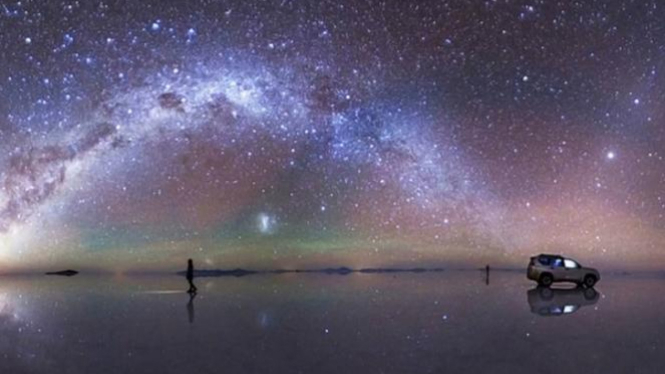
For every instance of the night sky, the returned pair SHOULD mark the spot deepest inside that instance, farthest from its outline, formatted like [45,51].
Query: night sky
[283,134]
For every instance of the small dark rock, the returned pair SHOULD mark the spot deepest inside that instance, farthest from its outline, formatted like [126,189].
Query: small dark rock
[66,273]
[340,271]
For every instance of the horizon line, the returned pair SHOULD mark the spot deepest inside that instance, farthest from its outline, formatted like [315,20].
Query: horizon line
[239,271]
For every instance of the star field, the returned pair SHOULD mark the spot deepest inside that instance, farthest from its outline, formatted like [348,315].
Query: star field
[135,135]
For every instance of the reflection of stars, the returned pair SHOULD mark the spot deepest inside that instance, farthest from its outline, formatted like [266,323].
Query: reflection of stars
[264,319]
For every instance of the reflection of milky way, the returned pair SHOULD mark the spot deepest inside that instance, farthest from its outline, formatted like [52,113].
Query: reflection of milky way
[268,135]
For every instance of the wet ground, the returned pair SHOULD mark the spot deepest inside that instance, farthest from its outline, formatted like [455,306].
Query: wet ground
[449,322]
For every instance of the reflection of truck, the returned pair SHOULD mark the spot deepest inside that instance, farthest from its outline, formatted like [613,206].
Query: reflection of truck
[546,301]
[546,269]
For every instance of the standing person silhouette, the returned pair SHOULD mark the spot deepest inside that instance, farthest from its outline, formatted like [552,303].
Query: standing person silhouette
[190,277]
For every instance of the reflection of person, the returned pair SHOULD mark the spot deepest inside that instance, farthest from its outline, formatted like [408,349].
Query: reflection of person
[190,307]
[190,276]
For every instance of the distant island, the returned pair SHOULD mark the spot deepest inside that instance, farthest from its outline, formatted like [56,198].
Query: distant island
[221,273]
[65,273]
[238,272]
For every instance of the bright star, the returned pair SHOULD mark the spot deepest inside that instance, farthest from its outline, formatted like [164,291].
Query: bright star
[265,223]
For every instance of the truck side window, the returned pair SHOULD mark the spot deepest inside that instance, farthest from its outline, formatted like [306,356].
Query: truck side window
[570,264]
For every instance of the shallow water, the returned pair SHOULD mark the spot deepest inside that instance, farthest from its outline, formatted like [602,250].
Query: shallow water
[315,323]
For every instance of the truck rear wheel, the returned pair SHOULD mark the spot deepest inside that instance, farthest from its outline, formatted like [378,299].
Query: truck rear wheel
[589,280]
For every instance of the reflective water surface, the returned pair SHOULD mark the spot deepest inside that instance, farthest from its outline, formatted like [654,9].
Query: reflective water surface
[360,323]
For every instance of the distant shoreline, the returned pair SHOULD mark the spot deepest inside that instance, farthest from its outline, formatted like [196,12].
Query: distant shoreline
[340,270]
[343,270]
[239,272]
